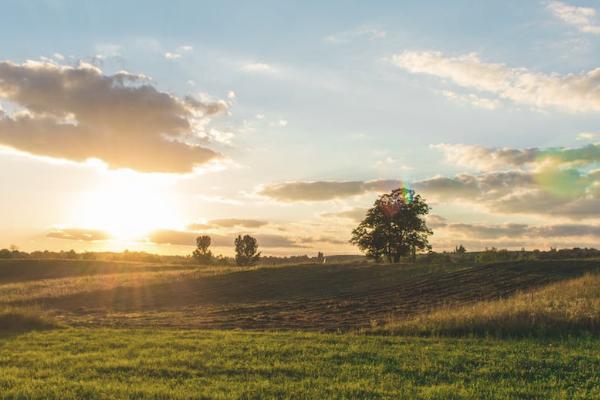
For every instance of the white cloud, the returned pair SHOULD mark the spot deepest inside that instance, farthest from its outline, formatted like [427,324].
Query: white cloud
[483,158]
[78,113]
[259,68]
[493,159]
[178,53]
[472,99]
[588,136]
[572,92]
[172,56]
[281,123]
[585,19]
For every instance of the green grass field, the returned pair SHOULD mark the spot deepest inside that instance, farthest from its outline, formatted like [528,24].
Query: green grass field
[184,364]
[87,330]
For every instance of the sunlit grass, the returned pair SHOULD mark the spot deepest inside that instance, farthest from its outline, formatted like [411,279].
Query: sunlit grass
[564,308]
[185,364]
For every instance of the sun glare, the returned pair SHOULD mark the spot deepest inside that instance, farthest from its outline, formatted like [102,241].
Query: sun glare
[128,208]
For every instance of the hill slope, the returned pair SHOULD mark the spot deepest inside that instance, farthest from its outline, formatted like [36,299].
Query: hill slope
[559,309]
[311,297]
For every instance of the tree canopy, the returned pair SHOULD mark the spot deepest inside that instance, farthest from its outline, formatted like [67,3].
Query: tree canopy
[246,250]
[394,227]
[202,254]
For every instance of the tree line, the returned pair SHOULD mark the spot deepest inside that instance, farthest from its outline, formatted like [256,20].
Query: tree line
[246,251]
[393,229]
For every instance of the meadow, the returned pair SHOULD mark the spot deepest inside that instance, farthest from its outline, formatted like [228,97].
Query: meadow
[99,329]
[205,364]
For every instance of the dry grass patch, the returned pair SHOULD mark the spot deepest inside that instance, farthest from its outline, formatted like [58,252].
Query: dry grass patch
[566,308]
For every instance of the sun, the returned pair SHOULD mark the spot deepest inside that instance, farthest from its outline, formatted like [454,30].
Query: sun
[128,207]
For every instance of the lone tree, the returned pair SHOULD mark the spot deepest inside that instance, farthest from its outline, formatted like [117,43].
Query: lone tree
[246,248]
[394,227]
[202,254]
[460,249]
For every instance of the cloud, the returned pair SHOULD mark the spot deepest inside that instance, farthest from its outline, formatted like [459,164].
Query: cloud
[559,193]
[540,202]
[511,230]
[436,221]
[355,214]
[187,238]
[87,235]
[280,123]
[325,190]
[582,18]
[588,136]
[260,68]
[572,92]
[229,223]
[490,159]
[486,159]
[78,113]
[558,182]
[473,187]
[390,162]
[323,239]
[472,99]
[488,231]
[178,53]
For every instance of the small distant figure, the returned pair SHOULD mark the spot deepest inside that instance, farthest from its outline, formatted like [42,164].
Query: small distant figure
[321,258]
[460,249]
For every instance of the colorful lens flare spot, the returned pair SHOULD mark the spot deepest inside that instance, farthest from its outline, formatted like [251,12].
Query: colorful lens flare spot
[390,204]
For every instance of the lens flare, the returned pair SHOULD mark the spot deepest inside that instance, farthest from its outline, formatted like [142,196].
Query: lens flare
[392,203]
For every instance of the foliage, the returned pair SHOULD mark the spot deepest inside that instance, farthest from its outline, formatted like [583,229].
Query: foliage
[202,254]
[401,233]
[460,249]
[246,250]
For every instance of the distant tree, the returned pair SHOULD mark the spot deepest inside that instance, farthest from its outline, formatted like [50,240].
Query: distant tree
[394,227]
[202,254]
[70,255]
[460,249]
[246,250]
[320,258]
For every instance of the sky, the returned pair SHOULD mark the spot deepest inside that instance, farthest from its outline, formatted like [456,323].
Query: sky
[140,125]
